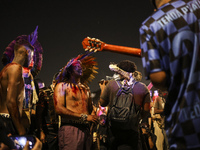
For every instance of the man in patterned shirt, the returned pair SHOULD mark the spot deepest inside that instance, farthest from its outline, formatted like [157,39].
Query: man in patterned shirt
[170,55]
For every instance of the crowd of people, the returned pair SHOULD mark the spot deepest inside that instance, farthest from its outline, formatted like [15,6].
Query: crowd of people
[64,115]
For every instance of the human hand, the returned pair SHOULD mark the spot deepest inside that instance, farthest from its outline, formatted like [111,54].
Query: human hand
[37,146]
[93,118]
[102,85]
[42,137]
[26,147]
[94,110]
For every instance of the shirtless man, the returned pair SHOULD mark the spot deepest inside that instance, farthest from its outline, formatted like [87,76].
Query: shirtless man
[73,103]
[12,88]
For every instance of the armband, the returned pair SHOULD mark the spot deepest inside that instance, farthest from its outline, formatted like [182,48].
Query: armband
[83,117]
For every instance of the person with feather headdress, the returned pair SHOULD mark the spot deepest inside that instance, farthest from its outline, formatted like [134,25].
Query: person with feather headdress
[72,101]
[12,88]
[23,54]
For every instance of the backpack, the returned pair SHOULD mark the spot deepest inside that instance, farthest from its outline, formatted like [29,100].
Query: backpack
[123,114]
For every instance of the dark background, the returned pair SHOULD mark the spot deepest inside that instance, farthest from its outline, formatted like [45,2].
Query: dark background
[64,24]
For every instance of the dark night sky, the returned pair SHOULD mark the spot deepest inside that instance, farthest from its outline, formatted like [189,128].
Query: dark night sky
[63,24]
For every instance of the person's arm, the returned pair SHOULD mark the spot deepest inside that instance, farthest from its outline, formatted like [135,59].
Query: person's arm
[159,80]
[145,112]
[102,86]
[60,108]
[91,109]
[156,106]
[14,79]
[103,103]
[92,117]
[150,53]
[151,143]
[158,111]
[146,106]
[37,146]
[40,115]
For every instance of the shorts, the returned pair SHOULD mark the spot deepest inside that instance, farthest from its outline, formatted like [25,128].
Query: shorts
[73,137]
[8,124]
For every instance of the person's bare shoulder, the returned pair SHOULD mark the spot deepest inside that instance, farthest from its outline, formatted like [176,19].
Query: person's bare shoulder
[11,68]
[14,68]
[61,87]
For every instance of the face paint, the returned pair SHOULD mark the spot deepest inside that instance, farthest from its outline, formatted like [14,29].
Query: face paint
[77,69]
[29,57]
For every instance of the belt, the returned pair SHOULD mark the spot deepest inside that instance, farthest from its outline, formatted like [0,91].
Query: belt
[76,123]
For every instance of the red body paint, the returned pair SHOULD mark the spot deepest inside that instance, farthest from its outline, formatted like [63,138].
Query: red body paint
[75,89]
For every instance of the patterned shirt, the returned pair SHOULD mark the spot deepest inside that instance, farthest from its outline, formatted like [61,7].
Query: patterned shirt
[170,42]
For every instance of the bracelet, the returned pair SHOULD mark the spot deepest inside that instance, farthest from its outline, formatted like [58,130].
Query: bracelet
[83,117]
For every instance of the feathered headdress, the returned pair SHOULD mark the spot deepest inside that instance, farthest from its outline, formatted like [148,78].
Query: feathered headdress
[88,64]
[8,55]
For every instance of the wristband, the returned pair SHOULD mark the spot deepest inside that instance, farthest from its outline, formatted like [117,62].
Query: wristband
[83,117]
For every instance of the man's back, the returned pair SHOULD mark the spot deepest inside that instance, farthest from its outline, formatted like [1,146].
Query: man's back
[172,45]
[129,137]
[140,91]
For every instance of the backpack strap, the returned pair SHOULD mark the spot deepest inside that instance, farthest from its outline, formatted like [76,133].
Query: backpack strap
[134,84]
[115,99]
[118,83]
[133,104]
[120,90]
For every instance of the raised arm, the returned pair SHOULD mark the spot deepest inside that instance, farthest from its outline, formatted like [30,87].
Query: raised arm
[15,87]
[102,86]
